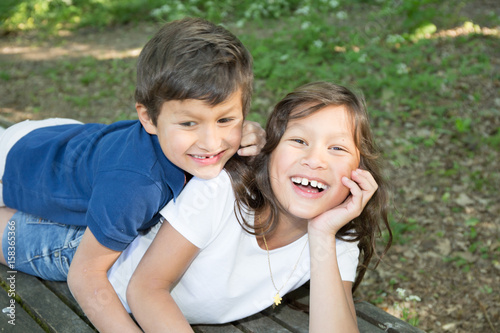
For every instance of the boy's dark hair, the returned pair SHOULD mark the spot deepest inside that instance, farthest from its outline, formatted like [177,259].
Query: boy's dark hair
[192,59]
[253,188]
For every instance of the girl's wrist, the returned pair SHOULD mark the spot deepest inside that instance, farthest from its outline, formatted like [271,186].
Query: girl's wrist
[322,237]
[313,229]
[322,248]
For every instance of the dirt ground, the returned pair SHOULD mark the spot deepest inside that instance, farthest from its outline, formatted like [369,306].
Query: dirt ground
[456,288]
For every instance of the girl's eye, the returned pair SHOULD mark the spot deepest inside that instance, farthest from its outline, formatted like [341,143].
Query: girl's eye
[188,124]
[299,141]
[337,148]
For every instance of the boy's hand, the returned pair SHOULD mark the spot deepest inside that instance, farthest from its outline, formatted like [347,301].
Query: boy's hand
[252,140]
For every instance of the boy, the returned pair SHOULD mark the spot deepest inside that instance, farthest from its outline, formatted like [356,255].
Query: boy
[104,184]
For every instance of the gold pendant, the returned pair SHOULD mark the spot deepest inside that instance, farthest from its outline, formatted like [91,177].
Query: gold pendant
[277,299]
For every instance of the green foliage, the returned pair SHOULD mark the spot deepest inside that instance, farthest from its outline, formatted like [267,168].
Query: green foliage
[433,100]
[31,14]
[389,57]
[403,230]
[52,15]
[459,262]
[494,140]
[5,76]
[7,8]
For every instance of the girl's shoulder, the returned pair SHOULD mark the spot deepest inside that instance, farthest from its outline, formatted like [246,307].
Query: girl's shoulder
[202,208]
[199,190]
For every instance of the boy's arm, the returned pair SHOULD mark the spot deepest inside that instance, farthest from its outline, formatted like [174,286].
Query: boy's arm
[253,138]
[148,293]
[89,284]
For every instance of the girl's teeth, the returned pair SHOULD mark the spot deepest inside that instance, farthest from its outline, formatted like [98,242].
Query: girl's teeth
[305,182]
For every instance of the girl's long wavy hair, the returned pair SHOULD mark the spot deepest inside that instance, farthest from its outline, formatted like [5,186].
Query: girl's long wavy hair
[252,182]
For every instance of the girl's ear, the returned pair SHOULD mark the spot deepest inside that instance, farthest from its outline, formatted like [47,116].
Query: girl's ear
[144,118]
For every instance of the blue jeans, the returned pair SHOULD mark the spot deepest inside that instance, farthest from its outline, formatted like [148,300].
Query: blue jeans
[43,248]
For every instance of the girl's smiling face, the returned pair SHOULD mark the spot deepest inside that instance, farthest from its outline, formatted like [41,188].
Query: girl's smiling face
[313,155]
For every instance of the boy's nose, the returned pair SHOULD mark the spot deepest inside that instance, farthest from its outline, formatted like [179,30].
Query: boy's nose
[314,158]
[210,139]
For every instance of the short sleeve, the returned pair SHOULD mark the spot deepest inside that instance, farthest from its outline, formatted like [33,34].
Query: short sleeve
[347,259]
[121,204]
[201,208]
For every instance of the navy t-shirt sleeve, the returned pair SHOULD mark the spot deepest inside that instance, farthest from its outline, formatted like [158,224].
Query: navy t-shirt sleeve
[116,213]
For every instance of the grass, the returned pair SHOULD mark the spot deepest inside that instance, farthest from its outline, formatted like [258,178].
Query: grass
[428,74]
[409,76]
[396,65]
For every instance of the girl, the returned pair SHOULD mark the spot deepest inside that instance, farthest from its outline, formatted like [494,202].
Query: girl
[304,212]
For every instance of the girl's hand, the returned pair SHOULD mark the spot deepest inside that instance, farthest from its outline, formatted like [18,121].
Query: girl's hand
[362,187]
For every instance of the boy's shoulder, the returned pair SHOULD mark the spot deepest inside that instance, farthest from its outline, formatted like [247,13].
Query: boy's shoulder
[126,146]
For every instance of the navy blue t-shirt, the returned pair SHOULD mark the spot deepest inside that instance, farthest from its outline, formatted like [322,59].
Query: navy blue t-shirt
[112,178]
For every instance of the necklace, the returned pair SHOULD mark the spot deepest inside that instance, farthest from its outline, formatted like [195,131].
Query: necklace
[277,298]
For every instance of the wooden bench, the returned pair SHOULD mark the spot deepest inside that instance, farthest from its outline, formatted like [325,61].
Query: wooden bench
[34,305]
[31,305]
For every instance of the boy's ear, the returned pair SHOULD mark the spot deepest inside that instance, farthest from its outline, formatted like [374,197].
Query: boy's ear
[144,118]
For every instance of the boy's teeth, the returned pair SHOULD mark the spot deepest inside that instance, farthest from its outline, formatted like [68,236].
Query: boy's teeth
[305,182]
[202,157]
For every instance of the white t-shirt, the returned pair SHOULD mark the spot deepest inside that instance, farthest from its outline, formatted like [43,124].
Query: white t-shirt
[10,136]
[229,279]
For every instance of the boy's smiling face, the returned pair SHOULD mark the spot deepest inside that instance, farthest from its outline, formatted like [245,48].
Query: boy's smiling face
[197,137]
[313,155]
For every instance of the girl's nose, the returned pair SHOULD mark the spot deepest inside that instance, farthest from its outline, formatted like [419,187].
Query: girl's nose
[314,158]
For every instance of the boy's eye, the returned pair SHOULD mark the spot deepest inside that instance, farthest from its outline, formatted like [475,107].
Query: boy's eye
[224,120]
[188,123]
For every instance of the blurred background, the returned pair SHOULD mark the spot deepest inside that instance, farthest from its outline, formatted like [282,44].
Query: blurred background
[429,70]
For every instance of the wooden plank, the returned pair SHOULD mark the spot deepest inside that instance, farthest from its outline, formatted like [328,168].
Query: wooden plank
[293,320]
[53,306]
[16,320]
[383,320]
[298,321]
[62,291]
[4,122]
[44,305]
[366,327]
[228,328]
[259,323]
